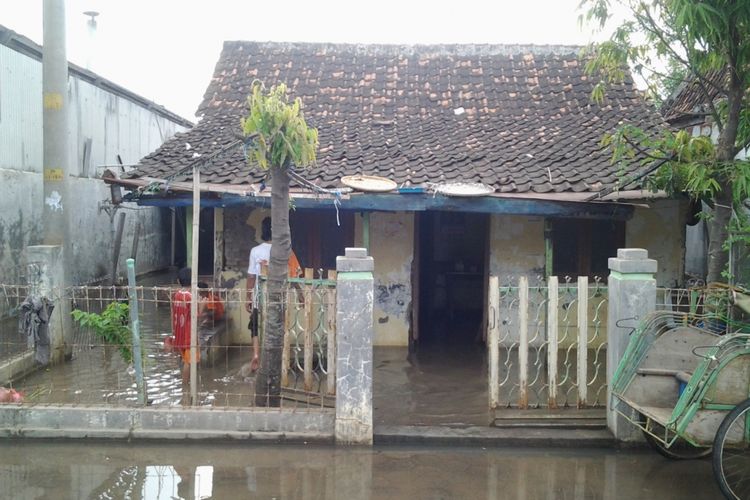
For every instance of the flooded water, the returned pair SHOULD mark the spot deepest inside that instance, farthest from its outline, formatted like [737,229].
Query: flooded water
[32,470]
[98,375]
[437,386]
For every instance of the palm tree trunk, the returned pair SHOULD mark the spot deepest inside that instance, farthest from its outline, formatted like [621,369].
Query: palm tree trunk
[268,382]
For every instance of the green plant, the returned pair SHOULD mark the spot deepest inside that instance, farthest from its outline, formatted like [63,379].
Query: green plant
[111,326]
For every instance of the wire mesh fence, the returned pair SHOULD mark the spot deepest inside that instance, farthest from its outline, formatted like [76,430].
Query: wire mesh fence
[548,344]
[12,341]
[99,355]
[712,304]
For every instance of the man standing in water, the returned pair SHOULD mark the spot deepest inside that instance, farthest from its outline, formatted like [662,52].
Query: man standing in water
[259,256]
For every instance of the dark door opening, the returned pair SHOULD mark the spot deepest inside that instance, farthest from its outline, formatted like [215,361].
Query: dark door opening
[206,243]
[319,236]
[452,278]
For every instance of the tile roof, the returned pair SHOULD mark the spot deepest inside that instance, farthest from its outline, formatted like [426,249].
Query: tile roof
[527,126]
[690,99]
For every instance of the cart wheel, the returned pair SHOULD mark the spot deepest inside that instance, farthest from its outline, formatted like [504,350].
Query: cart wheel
[732,458]
[680,449]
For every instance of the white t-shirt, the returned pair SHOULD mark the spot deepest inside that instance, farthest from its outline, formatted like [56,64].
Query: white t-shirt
[258,255]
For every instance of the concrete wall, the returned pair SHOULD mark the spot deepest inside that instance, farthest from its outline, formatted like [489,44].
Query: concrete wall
[392,247]
[516,247]
[104,122]
[660,229]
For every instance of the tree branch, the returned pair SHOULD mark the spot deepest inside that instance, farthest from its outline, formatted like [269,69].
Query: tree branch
[650,25]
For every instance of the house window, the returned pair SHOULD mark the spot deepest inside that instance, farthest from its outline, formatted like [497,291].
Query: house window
[581,247]
[317,239]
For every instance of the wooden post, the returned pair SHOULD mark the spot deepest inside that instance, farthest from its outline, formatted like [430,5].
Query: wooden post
[583,339]
[287,347]
[493,342]
[116,248]
[194,287]
[552,304]
[523,342]
[331,335]
[307,327]
[218,245]
[136,237]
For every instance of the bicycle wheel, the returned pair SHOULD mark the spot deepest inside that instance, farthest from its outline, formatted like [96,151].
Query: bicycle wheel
[680,449]
[732,453]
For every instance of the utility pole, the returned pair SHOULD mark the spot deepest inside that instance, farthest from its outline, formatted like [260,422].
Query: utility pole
[55,125]
[49,269]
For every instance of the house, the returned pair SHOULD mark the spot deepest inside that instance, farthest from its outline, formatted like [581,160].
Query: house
[109,125]
[688,109]
[518,119]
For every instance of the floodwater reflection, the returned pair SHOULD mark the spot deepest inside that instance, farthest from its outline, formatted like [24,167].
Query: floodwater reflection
[32,469]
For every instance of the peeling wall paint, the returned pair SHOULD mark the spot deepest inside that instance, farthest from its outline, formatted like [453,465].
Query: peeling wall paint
[392,247]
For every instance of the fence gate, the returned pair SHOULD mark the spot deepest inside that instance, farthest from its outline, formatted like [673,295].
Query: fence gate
[308,362]
[547,348]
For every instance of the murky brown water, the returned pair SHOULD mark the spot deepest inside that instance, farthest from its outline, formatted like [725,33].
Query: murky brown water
[32,470]
[437,386]
[98,375]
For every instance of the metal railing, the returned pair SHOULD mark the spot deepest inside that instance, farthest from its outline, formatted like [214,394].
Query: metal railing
[547,344]
[713,303]
[309,351]
[97,370]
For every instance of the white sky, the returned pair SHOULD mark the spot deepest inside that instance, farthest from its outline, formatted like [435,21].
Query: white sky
[165,50]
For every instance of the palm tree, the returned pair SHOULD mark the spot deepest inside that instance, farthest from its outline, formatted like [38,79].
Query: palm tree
[281,140]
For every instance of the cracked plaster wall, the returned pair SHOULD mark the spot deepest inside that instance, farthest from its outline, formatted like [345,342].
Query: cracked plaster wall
[392,247]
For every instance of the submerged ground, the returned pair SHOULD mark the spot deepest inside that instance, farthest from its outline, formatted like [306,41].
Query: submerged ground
[34,469]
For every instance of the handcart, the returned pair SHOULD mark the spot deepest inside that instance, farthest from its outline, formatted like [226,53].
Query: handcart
[688,389]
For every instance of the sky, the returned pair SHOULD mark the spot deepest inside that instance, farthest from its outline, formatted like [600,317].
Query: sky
[166,50]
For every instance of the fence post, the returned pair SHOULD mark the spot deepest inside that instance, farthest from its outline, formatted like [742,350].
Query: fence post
[632,294]
[135,327]
[493,344]
[552,340]
[523,342]
[46,274]
[583,340]
[354,332]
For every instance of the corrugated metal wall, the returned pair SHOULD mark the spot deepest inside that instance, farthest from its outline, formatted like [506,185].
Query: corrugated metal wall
[20,111]
[102,125]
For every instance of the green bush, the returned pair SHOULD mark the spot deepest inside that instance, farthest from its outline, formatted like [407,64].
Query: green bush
[111,326]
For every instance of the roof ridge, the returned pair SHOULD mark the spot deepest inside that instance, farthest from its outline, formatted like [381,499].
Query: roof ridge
[28,47]
[463,49]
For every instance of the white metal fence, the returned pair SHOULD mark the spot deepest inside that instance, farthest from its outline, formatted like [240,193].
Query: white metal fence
[547,344]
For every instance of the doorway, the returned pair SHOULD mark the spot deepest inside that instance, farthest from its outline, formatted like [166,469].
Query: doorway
[452,258]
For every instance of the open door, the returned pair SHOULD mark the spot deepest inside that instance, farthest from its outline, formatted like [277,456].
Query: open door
[450,279]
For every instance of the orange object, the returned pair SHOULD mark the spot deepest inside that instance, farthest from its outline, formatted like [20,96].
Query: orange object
[293,266]
[215,305]
[186,355]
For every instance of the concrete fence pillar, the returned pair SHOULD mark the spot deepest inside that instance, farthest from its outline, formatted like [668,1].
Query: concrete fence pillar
[46,275]
[354,332]
[632,295]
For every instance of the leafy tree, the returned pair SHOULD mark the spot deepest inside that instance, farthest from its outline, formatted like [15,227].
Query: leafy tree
[281,140]
[111,326]
[703,43]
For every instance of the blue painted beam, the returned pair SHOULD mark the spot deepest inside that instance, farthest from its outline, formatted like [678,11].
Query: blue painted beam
[421,203]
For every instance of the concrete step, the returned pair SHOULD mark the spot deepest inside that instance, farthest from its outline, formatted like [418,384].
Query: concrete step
[568,423]
[493,436]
